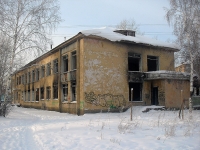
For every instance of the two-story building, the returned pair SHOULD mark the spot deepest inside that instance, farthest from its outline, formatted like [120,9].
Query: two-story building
[102,69]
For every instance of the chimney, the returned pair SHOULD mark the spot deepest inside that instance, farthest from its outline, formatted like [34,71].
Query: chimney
[64,38]
[126,32]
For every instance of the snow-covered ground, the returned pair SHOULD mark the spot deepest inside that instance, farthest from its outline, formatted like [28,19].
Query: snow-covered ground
[31,129]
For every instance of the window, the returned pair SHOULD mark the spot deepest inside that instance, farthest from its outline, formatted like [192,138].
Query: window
[48,69]
[134,62]
[55,91]
[33,75]
[73,91]
[152,63]
[17,81]
[65,63]
[73,64]
[41,93]
[37,74]
[48,92]
[20,79]
[23,81]
[55,65]
[42,71]
[37,94]
[65,92]
[28,95]
[25,96]
[26,81]
[33,95]
[29,77]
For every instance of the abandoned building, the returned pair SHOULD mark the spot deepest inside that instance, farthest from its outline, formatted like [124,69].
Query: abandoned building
[101,69]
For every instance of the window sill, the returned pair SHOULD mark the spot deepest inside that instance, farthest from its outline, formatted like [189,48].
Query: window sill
[73,102]
[37,101]
[55,99]
[136,101]
[42,99]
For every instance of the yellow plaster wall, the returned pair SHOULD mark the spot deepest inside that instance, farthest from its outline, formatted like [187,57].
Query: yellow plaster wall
[52,104]
[173,93]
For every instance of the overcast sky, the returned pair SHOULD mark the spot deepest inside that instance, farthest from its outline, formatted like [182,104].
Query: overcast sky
[81,15]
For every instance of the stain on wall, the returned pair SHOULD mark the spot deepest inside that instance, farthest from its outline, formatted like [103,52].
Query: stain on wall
[105,100]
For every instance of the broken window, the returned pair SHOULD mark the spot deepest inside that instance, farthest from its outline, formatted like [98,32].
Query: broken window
[33,95]
[135,91]
[42,71]
[37,94]
[55,91]
[33,75]
[48,69]
[42,93]
[25,78]
[73,84]
[29,77]
[55,65]
[152,63]
[73,62]
[65,92]
[65,63]
[134,62]
[37,74]
[48,92]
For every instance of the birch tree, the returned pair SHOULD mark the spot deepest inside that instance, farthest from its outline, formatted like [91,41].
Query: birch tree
[129,25]
[27,24]
[184,16]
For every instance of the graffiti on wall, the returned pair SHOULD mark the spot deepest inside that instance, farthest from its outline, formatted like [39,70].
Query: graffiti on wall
[105,100]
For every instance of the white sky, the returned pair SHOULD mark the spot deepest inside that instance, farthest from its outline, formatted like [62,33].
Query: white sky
[80,15]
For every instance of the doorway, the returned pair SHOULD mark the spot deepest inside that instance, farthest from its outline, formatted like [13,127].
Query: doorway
[137,91]
[154,97]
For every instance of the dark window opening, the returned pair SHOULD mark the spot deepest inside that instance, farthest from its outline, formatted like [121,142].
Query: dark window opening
[29,98]
[29,77]
[65,92]
[152,63]
[55,91]
[42,71]
[73,91]
[37,94]
[37,74]
[55,65]
[33,75]
[48,94]
[134,62]
[25,78]
[135,91]
[48,69]
[65,63]
[73,60]
[41,93]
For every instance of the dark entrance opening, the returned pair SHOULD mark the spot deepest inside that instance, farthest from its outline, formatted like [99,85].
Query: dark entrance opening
[137,90]
[154,97]
[152,63]
[133,62]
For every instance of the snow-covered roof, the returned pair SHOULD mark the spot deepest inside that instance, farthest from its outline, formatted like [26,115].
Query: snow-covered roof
[109,34]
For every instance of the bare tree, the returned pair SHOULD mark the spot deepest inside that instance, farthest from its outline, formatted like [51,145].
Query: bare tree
[184,15]
[129,25]
[27,23]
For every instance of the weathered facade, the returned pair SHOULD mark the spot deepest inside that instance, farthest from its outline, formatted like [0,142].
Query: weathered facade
[91,73]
